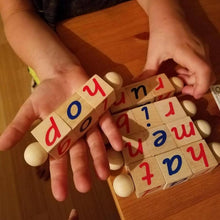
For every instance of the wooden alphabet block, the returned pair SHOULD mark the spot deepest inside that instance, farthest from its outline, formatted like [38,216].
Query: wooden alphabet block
[170,109]
[64,145]
[147,176]
[99,94]
[126,123]
[51,132]
[174,167]
[199,157]
[140,93]
[122,102]
[162,87]
[78,114]
[134,147]
[147,116]
[184,131]
[159,140]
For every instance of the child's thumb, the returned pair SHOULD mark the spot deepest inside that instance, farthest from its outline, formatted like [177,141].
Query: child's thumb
[150,69]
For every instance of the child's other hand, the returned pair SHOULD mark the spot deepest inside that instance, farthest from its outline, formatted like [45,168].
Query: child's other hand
[173,39]
[46,98]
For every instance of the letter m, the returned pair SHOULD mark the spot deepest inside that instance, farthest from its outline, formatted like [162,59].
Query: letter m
[183,133]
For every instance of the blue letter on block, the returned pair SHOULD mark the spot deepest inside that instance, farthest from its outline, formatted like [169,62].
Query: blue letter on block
[161,139]
[169,163]
[79,109]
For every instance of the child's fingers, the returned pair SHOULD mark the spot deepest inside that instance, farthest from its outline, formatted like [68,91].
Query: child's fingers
[58,172]
[80,166]
[98,152]
[19,126]
[111,131]
[187,58]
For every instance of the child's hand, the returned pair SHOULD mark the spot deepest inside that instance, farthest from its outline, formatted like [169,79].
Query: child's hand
[46,98]
[173,39]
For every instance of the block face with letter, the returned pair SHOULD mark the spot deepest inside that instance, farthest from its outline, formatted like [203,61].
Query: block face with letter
[64,145]
[50,132]
[199,157]
[147,116]
[126,123]
[159,141]
[134,147]
[140,93]
[147,176]
[184,131]
[174,167]
[122,102]
[99,94]
[78,114]
[162,87]
[170,109]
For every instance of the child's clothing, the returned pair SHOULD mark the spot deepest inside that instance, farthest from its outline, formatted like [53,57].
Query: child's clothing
[54,11]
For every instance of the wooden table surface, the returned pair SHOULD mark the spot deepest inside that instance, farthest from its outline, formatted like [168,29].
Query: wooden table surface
[116,39]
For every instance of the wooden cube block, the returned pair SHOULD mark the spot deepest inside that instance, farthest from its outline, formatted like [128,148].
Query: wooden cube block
[51,131]
[64,145]
[159,140]
[126,123]
[170,109]
[122,102]
[199,157]
[174,167]
[162,87]
[78,114]
[140,93]
[147,176]
[147,116]
[184,131]
[99,94]
[134,147]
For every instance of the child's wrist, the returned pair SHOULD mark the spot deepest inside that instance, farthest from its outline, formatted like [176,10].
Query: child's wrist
[164,13]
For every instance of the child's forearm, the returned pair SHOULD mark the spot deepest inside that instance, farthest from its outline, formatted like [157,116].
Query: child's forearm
[34,42]
[161,12]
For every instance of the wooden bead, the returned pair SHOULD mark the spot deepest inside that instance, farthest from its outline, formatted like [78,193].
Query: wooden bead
[203,127]
[115,159]
[123,185]
[178,83]
[35,155]
[114,80]
[189,107]
[215,148]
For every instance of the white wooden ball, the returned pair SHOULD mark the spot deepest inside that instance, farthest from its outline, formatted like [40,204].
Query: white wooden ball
[35,155]
[115,159]
[189,107]
[123,185]
[177,83]
[203,127]
[215,147]
[114,79]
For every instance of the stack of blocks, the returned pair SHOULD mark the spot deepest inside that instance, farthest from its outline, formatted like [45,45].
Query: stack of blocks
[162,146]
[63,127]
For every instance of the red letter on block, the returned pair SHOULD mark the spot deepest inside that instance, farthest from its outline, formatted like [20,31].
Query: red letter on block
[64,145]
[161,85]
[56,134]
[122,121]
[201,154]
[149,175]
[184,134]
[97,88]
[139,149]
[171,112]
